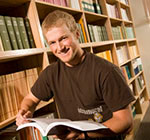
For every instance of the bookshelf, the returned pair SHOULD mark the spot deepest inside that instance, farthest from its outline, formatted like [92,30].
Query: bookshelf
[117,40]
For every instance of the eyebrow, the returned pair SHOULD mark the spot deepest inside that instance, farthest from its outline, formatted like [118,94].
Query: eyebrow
[49,42]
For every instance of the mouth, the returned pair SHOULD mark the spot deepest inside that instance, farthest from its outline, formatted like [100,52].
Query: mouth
[64,51]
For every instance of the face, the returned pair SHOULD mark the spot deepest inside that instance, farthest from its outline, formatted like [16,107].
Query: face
[63,43]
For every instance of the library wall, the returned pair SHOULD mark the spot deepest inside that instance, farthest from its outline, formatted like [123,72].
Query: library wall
[142,28]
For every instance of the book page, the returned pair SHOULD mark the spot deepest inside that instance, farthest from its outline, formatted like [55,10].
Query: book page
[56,126]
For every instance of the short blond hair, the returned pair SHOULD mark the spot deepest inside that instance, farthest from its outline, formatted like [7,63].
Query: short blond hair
[58,18]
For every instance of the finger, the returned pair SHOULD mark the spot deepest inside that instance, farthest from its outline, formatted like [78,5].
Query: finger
[28,114]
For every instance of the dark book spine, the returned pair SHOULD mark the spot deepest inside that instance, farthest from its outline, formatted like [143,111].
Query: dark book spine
[23,33]
[17,33]
[4,35]
[11,32]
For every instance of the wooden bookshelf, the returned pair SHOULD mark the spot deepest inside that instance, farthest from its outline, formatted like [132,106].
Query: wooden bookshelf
[14,61]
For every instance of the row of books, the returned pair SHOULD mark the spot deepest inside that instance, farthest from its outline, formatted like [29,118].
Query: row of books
[91,6]
[117,32]
[126,72]
[112,10]
[106,55]
[137,65]
[129,32]
[139,83]
[122,32]
[124,14]
[15,33]
[13,88]
[97,33]
[133,51]
[122,54]
[67,3]
[82,38]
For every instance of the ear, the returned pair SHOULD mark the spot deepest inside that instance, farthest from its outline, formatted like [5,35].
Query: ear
[77,34]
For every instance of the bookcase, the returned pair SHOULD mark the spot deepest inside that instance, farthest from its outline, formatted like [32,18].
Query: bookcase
[106,30]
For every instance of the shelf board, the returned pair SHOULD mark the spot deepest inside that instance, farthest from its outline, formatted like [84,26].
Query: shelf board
[45,8]
[15,54]
[92,18]
[13,3]
[7,122]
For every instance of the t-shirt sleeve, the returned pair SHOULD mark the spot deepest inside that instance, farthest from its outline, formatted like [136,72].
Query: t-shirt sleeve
[41,88]
[116,92]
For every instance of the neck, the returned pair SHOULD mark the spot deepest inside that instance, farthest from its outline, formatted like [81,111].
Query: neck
[78,58]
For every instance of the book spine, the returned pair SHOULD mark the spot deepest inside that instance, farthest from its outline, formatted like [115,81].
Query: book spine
[23,32]
[1,45]
[4,35]
[11,32]
[17,33]
[29,33]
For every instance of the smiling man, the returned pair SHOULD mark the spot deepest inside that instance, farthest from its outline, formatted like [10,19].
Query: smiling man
[85,87]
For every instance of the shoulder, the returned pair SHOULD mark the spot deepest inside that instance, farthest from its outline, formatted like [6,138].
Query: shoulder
[50,70]
[99,62]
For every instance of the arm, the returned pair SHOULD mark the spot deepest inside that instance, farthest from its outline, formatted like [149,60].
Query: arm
[27,108]
[121,122]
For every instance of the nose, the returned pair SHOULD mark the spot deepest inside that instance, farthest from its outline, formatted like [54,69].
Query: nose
[59,46]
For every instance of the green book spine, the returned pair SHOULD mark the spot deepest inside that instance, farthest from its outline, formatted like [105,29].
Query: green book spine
[11,32]
[80,39]
[4,35]
[23,33]
[128,71]
[44,138]
[29,33]
[17,33]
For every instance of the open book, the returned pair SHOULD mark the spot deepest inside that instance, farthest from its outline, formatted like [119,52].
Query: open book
[59,126]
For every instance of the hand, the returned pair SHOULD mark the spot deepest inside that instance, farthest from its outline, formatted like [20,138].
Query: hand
[22,116]
[70,134]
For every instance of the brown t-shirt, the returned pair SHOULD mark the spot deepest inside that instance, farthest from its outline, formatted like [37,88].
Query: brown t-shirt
[92,89]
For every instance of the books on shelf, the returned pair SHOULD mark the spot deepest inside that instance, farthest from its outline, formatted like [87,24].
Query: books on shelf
[11,32]
[4,35]
[14,87]
[133,51]
[29,33]
[106,55]
[112,10]
[126,72]
[15,33]
[1,45]
[59,126]
[129,32]
[117,32]
[139,83]
[97,7]
[81,38]
[97,33]
[83,30]
[124,14]
[137,65]
[122,54]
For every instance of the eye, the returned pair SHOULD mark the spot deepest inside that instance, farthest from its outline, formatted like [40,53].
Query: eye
[63,38]
[52,43]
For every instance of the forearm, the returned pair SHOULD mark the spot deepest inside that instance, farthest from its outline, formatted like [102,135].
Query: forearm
[29,103]
[120,123]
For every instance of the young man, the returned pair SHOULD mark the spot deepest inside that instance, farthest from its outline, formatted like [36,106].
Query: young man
[84,86]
